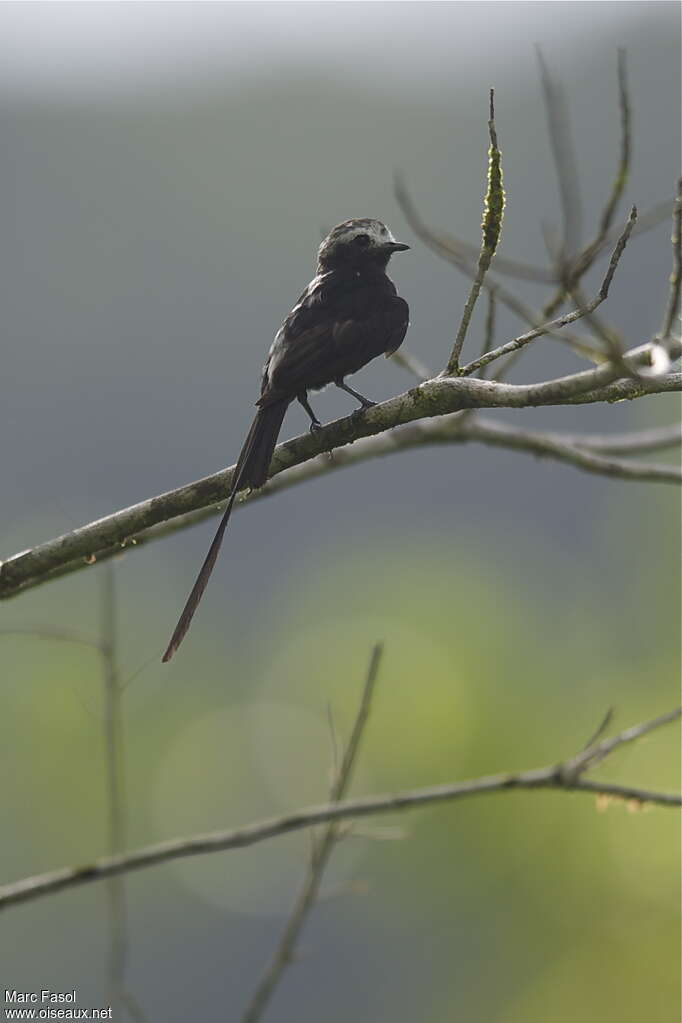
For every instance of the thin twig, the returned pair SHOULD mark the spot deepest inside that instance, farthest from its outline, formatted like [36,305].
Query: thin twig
[322,851]
[556,776]
[586,258]
[113,736]
[453,247]
[489,334]
[673,308]
[563,153]
[488,339]
[637,442]
[441,247]
[505,366]
[571,269]
[491,228]
[115,804]
[658,213]
[334,740]
[600,729]
[576,314]
[552,446]
[595,752]
[456,251]
[106,647]
[464,255]
[48,632]
[609,338]
[623,172]
[412,364]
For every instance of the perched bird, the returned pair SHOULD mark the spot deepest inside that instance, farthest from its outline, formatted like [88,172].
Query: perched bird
[348,315]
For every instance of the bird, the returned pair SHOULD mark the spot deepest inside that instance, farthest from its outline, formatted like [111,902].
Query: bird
[349,314]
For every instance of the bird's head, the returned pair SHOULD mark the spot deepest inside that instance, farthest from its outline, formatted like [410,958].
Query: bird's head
[357,244]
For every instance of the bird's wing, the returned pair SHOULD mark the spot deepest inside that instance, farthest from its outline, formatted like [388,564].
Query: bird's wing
[400,324]
[341,342]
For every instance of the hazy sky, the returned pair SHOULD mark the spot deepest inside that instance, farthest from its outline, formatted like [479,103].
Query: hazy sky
[87,48]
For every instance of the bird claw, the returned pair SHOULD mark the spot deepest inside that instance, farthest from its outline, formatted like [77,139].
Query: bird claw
[358,413]
[315,426]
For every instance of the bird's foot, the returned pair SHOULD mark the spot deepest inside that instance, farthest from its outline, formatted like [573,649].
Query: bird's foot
[315,426]
[358,413]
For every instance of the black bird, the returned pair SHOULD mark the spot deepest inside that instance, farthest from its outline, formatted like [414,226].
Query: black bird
[348,315]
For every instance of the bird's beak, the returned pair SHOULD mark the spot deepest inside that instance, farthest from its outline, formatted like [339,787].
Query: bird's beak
[397,247]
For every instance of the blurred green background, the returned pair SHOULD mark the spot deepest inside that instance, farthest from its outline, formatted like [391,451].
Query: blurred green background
[168,171]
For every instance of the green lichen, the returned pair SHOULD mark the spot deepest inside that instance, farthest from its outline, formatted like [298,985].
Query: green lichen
[493,207]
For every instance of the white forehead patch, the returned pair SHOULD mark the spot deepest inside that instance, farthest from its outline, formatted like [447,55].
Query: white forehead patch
[377,232]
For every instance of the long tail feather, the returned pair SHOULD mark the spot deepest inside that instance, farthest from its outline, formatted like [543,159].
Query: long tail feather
[251,471]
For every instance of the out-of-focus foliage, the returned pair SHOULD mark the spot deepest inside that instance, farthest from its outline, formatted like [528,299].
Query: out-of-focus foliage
[488,907]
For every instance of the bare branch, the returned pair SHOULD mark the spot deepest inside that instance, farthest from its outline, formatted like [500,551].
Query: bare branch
[571,269]
[600,729]
[48,632]
[133,526]
[673,309]
[595,752]
[440,245]
[444,430]
[113,743]
[460,253]
[589,253]
[564,776]
[499,435]
[608,336]
[106,647]
[464,255]
[631,443]
[489,334]
[413,365]
[563,153]
[637,387]
[645,222]
[456,250]
[561,321]
[491,227]
[623,172]
[322,851]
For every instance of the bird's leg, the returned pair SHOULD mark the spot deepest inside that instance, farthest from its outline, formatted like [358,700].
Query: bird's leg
[364,402]
[315,423]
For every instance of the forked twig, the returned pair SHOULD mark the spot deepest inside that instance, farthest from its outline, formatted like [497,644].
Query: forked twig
[322,850]
[563,776]
[560,321]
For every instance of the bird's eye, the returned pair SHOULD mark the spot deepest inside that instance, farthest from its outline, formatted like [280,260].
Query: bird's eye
[362,240]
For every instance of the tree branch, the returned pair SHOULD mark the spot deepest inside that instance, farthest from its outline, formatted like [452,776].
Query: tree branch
[120,995]
[463,254]
[586,258]
[673,308]
[563,154]
[629,443]
[448,250]
[434,398]
[411,364]
[561,321]
[322,850]
[500,435]
[566,776]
